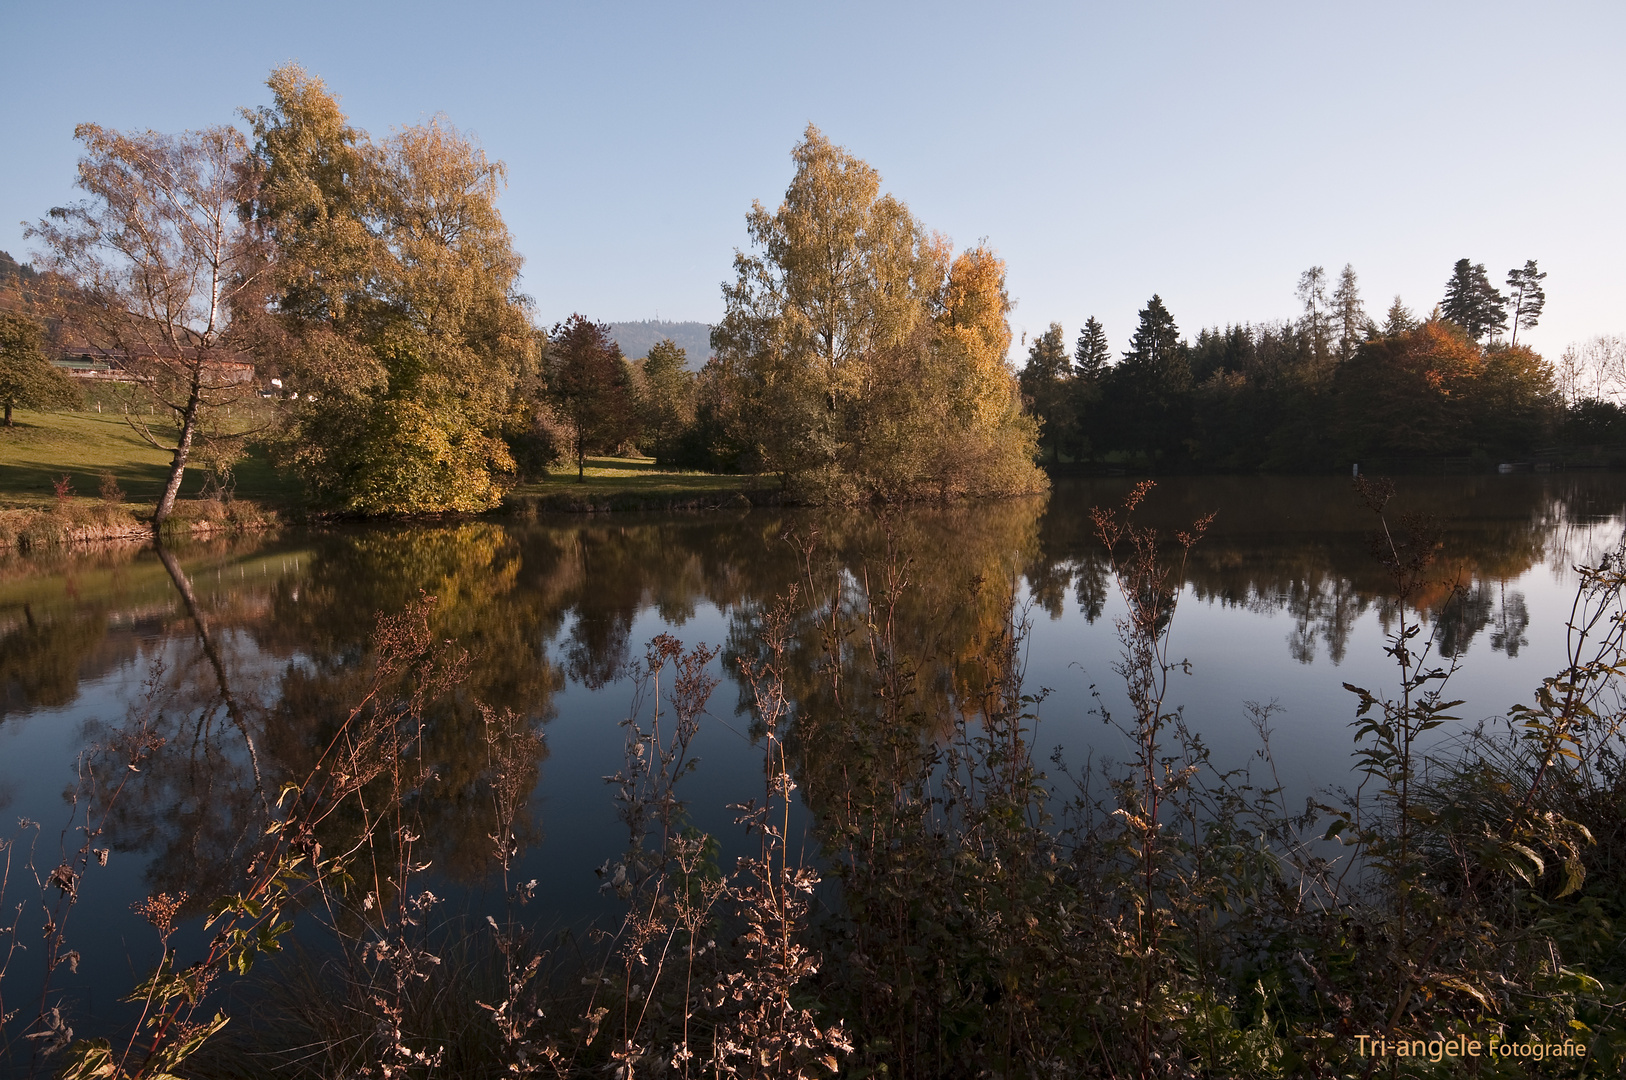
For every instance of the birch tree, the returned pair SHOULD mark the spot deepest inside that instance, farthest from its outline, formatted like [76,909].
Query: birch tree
[159,259]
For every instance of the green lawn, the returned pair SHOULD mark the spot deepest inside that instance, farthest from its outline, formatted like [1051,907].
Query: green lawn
[44,445]
[610,476]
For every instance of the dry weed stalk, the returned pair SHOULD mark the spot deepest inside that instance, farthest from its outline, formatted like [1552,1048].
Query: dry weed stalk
[94,795]
[1150,588]
[374,740]
[762,1031]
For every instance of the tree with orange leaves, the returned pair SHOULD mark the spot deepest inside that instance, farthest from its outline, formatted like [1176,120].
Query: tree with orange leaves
[1434,390]
[869,361]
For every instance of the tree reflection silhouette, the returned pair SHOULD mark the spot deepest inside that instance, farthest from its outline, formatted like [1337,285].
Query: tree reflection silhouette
[275,662]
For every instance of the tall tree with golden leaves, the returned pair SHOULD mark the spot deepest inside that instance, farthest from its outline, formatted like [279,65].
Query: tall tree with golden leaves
[394,281]
[870,362]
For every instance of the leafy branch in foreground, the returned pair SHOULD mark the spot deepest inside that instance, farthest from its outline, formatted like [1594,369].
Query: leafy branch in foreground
[1469,863]
[371,741]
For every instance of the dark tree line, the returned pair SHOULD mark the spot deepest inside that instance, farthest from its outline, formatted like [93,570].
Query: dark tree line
[1330,387]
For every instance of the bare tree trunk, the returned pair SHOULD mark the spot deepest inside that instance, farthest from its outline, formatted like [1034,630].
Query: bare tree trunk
[189,418]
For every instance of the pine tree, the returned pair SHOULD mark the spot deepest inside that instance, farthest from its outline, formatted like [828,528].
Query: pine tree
[1312,293]
[1091,354]
[1147,393]
[1398,319]
[1349,316]
[1458,305]
[1472,302]
[1156,348]
[1046,383]
[1526,297]
[1092,360]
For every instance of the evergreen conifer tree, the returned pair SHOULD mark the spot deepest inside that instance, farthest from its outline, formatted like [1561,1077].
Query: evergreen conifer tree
[1312,293]
[1348,313]
[1472,302]
[1046,383]
[1155,351]
[1092,359]
[1091,354]
[1148,391]
[1398,319]
[1526,297]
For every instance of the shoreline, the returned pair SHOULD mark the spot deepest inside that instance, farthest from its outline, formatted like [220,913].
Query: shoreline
[24,530]
[86,521]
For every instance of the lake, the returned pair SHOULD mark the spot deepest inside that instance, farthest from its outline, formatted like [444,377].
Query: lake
[232,660]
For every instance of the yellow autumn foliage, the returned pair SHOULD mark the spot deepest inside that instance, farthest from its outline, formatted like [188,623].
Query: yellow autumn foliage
[869,360]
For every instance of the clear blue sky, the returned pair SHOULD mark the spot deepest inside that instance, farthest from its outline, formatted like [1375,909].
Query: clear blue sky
[1208,152]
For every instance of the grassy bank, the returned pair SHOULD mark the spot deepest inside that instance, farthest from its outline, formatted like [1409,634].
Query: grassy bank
[88,447]
[43,446]
[77,520]
[637,484]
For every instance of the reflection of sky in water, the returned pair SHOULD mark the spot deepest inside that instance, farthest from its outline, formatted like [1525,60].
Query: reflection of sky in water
[1286,634]
[1256,652]
[39,755]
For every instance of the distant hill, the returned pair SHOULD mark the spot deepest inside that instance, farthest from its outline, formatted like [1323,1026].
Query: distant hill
[22,288]
[636,338]
[10,268]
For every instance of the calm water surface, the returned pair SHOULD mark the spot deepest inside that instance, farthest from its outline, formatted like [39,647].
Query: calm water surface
[263,641]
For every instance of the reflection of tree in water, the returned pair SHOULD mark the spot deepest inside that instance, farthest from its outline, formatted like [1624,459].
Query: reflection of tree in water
[72,616]
[40,658]
[295,652]
[277,671]
[1511,621]
[613,565]
[189,805]
[1480,605]
[1302,546]
[1047,584]
[1092,585]
[197,803]
[1457,623]
[194,806]
[1324,611]
[892,629]
[473,571]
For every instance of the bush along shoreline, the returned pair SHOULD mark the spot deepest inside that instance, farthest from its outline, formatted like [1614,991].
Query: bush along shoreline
[81,521]
[73,518]
[962,910]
